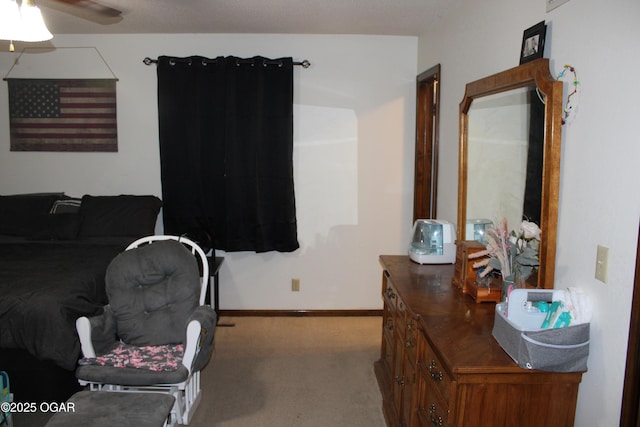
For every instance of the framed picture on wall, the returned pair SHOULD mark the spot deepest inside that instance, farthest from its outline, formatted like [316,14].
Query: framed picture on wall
[63,115]
[533,42]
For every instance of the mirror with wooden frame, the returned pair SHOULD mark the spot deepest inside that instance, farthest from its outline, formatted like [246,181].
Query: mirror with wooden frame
[509,154]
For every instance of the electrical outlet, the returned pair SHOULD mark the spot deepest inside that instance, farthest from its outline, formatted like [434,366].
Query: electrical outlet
[602,263]
[295,285]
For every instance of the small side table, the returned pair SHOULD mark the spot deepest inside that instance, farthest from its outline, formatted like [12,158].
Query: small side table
[214,290]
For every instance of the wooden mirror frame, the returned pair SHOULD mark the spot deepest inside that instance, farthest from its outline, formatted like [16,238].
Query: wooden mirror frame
[528,74]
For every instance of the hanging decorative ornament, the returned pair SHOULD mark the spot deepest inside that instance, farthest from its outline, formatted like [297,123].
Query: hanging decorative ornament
[571,104]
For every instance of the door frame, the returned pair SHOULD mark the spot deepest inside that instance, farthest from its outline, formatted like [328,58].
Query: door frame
[629,416]
[425,184]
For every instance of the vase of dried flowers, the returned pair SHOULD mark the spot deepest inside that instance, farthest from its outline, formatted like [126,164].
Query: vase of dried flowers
[515,255]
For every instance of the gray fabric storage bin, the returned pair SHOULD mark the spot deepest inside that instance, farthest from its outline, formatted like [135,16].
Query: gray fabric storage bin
[553,350]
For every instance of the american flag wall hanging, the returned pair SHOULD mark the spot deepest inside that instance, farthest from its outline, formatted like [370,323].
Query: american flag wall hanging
[63,115]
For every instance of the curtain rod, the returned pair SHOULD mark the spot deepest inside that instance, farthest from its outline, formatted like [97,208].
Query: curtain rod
[304,64]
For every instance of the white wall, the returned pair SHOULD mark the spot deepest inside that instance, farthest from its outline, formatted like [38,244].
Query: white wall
[353,155]
[599,199]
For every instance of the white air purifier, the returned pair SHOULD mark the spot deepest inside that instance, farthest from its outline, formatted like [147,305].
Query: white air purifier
[433,242]
[476,229]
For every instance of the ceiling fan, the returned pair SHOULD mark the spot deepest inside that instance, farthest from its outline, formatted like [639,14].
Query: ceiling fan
[23,22]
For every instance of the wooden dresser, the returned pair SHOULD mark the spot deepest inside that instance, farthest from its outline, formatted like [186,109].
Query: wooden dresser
[440,365]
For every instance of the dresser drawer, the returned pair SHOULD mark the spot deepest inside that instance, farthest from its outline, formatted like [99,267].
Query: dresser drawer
[387,348]
[401,308]
[388,325]
[432,411]
[389,293]
[433,370]
[411,337]
[399,319]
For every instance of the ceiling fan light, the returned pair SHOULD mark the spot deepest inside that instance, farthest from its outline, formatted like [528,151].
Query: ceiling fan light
[33,26]
[9,20]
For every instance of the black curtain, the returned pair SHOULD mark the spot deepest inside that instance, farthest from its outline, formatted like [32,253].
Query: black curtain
[226,150]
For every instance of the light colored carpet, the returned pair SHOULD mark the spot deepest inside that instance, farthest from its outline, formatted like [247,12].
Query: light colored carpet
[287,372]
[293,371]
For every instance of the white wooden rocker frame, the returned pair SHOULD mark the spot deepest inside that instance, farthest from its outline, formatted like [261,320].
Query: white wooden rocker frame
[187,393]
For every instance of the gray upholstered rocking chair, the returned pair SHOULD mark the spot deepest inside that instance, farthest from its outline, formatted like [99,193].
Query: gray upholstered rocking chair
[156,334]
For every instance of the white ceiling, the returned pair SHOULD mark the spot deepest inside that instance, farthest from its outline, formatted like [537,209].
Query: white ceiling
[381,17]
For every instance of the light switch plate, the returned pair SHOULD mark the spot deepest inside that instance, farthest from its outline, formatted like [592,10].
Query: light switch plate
[552,4]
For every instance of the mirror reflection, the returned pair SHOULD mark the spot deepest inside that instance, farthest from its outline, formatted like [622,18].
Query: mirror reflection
[504,148]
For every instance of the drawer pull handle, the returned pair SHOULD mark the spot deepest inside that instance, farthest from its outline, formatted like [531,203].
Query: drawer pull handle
[390,324]
[400,380]
[436,376]
[435,420]
[390,293]
[410,325]
[409,344]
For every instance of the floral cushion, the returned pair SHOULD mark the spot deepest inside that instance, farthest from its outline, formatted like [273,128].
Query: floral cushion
[159,358]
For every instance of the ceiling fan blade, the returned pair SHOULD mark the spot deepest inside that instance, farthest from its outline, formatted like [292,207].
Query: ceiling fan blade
[94,6]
